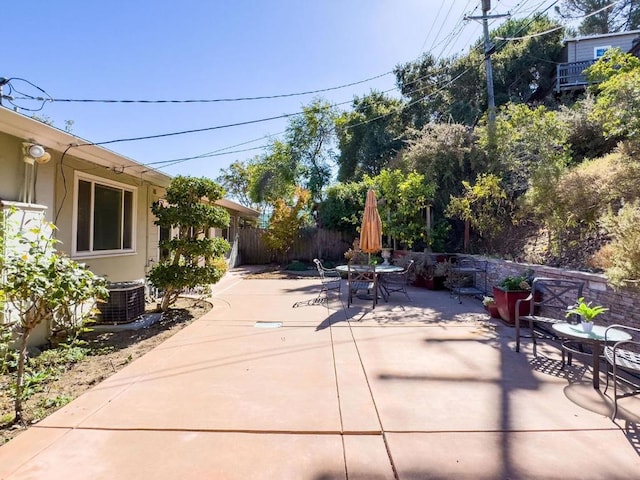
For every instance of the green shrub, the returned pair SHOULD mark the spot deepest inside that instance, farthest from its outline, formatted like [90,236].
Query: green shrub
[624,250]
[296,266]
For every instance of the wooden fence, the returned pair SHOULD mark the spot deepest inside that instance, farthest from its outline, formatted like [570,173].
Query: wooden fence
[311,243]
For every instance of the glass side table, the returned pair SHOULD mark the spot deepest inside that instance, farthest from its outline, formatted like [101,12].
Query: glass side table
[594,338]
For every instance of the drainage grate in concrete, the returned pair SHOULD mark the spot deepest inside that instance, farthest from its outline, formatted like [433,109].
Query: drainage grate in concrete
[268,324]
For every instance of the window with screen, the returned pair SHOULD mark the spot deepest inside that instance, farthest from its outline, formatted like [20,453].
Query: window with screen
[104,217]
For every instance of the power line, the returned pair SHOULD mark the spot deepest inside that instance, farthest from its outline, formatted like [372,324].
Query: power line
[539,34]
[221,151]
[435,19]
[402,107]
[212,100]
[195,130]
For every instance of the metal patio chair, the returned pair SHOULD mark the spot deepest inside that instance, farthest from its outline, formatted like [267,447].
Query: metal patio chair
[329,278]
[397,282]
[623,360]
[362,277]
[548,302]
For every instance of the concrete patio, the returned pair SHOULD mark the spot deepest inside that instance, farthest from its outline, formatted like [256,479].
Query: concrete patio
[258,388]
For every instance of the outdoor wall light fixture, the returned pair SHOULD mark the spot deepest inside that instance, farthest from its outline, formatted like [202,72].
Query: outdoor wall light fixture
[34,151]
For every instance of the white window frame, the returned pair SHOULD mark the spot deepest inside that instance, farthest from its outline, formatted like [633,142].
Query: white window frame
[134,224]
[600,51]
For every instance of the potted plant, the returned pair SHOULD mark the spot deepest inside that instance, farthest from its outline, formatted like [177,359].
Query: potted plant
[586,312]
[386,255]
[508,292]
[430,273]
[491,307]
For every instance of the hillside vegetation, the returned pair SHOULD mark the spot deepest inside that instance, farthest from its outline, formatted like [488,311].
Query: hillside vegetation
[552,180]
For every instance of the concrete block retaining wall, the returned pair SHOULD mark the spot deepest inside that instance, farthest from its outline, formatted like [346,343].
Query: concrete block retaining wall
[623,305]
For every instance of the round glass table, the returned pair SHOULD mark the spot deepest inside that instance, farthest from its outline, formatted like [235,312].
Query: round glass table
[594,338]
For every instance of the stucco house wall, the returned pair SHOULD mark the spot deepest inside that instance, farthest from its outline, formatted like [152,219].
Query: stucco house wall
[55,186]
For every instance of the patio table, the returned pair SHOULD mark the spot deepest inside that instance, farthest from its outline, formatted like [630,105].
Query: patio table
[594,338]
[379,271]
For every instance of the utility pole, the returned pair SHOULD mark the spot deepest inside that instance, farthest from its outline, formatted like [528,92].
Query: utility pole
[489,49]
[491,101]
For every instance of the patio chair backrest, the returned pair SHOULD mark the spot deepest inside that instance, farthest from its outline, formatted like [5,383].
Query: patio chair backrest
[362,277]
[555,294]
[329,277]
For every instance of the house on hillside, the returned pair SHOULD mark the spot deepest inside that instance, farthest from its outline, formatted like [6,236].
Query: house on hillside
[100,201]
[581,52]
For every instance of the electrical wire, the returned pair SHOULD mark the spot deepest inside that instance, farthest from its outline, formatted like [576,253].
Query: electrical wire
[435,19]
[222,151]
[444,51]
[213,100]
[218,153]
[195,130]
[12,89]
[539,34]
[442,24]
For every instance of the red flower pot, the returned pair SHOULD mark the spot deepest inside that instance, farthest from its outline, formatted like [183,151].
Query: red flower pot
[434,283]
[506,303]
[492,308]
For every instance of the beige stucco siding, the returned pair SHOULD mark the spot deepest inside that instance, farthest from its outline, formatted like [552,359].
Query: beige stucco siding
[115,267]
[11,167]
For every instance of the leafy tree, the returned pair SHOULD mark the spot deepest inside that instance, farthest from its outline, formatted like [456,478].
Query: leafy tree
[623,15]
[617,105]
[194,258]
[41,285]
[405,198]
[286,221]
[523,67]
[369,136]
[342,207]
[613,63]
[236,180]
[273,177]
[532,152]
[304,158]
[402,199]
[446,154]
[421,82]
[454,90]
[532,147]
[482,205]
[310,137]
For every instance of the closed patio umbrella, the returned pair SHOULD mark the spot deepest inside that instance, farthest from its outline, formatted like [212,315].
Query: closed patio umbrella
[371,230]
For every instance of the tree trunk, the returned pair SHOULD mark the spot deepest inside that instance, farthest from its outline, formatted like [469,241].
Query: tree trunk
[22,356]
[166,300]
[466,235]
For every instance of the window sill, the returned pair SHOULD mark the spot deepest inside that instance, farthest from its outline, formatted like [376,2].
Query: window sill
[94,255]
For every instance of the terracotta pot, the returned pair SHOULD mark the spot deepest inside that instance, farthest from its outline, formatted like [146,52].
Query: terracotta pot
[492,308]
[419,281]
[434,283]
[506,303]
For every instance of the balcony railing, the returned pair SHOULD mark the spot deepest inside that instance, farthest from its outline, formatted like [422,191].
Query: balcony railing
[570,75]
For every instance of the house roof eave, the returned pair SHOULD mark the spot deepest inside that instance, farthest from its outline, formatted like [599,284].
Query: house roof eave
[231,205]
[21,126]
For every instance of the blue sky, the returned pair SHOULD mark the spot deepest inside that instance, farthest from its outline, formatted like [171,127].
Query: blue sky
[198,49]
